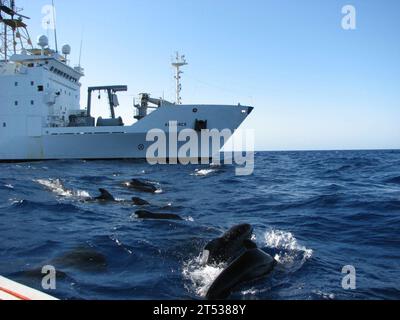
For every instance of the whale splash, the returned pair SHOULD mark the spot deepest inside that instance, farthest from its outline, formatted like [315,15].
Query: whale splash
[290,256]
[57,187]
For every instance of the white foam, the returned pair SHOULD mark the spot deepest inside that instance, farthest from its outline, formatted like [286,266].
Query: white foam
[283,240]
[56,186]
[324,295]
[204,172]
[201,276]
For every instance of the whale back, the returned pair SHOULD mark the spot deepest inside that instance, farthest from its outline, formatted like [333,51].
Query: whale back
[144,214]
[141,186]
[229,246]
[251,265]
[139,202]
[105,195]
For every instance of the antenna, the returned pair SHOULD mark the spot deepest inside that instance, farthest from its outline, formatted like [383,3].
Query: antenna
[179,62]
[80,51]
[55,25]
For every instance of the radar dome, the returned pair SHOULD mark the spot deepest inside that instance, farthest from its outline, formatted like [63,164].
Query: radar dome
[66,49]
[43,41]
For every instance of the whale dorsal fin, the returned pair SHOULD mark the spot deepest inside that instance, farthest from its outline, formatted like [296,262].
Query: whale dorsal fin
[249,245]
[105,195]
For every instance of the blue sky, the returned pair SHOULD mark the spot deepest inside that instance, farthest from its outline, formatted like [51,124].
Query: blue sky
[314,85]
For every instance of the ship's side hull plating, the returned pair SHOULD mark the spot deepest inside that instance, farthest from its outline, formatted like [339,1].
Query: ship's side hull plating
[128,142]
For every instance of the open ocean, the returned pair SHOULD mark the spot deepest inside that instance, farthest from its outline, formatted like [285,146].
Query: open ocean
[314,211]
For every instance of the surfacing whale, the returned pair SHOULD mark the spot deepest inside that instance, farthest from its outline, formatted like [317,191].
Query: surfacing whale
[244,261]
[141,186]
[139,202]
[104,196]
[147,215]
[252,265]
[227,247]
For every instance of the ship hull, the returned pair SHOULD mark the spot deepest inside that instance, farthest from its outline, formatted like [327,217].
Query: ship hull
[128,142]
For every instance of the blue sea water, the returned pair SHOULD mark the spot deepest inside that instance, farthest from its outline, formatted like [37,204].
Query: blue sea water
[314,211]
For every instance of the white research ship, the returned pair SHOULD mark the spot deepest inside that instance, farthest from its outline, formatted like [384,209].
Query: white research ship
[40,113]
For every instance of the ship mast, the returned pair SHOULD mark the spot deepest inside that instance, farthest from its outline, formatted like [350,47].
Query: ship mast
[14,34]
[179,62]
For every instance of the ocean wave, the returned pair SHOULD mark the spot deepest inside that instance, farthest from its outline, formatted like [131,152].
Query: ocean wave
[48,206]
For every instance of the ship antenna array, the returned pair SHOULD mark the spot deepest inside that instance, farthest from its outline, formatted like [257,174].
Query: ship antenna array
[178,63]
[55,24]
[14,34]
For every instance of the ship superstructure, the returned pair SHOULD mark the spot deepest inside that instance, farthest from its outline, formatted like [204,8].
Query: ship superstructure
[40,113]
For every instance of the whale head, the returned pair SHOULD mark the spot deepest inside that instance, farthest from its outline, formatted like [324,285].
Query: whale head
[230,245]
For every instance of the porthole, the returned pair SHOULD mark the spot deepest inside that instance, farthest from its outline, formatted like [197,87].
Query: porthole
[195,110]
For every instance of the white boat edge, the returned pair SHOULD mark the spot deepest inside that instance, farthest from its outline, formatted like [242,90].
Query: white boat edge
[13,291]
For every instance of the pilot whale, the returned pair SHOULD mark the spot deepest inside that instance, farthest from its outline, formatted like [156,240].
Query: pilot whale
[104,196]
[143,214]
[139,202]
[252,265]
[243,260]
[141,186]
[228,246]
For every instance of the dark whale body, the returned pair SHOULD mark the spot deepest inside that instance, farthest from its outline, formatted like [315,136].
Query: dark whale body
[104,196]
[141,186]
[139,202]
[84,259]
[147,215]
[251,265]
[229,246]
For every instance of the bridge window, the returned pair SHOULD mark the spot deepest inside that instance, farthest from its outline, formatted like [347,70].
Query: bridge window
[16,103]
[40,88]
[4,124]
[32,102]
[32,83]
[16,84]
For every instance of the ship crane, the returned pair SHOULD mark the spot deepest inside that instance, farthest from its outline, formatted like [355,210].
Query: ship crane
[14,34]
[112,101]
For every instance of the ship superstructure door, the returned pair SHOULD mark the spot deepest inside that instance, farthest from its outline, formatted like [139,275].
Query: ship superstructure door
[34,126]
